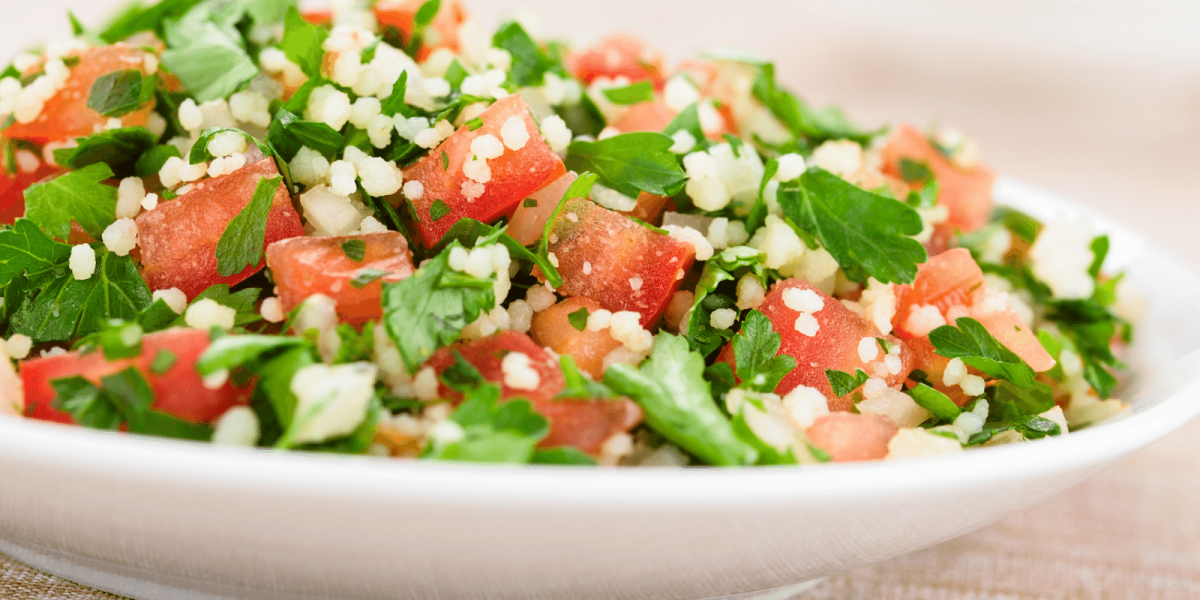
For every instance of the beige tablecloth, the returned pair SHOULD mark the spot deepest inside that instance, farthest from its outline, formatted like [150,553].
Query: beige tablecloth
[1130,533]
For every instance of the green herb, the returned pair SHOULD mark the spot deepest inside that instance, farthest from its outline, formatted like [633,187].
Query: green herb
[119,93]
[356,346]
[678,402]
[578,319]
[76,196]
[288,134]
[577,384]
[123,397]
[1025,227]
[455,74]
[935,402]
[972,343]
[365,276]
[429,309]
[394,104]
[642,91]
[758,212]
[474,124]
[163,361]
[491,431]
[755,351]
[868,234]
[116,337]
[562,455]
[769,453]
[530,203]
[1089,327]
[579,188]
[914,171]
[152,160]
[118,148]
[1009,402]
[27,249]
[302,42]
[241,245]
[1099,251]
[200,151]
[150,18]
[65,308]
[421,21]
[1031,428]
[630,163]
[722,267]
[233,351]
[688,120]
[209,59]
[438,209]
[843,383]
[445,160]
[354,249]
[530,63]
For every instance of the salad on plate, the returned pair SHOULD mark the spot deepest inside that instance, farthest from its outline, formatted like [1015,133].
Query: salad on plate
[384,229]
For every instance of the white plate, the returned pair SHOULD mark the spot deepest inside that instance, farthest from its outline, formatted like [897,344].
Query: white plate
[152,518]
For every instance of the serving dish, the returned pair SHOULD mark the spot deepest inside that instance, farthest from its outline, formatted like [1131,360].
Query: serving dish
[149,518]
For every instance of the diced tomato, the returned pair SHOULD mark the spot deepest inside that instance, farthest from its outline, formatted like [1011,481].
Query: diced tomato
[303,266]
[646,116]
[529,219]
[953,282]
[649,208]
[179,391]
[607,257]
[66,115]
[515,174]
[835,346]
[178,239]
[584,424]
[320,17]
[442,32]
[967,193]
[12,191]
[618,55]
[926,358]
[553,329]
[849,437]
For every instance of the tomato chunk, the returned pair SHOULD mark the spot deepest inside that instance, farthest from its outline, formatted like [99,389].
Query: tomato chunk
[848,437]
[442,32]
[12,191]
[609,258]
[553,329]
[515,174]
[529,220]
[966,193]
[303,266]
[646,116]
[178,239]
[953,283]
[618,55]
[584,424]
[834,346]
[66,115]
[179,391]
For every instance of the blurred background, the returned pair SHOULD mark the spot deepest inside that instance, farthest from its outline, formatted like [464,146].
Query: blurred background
[1096,99]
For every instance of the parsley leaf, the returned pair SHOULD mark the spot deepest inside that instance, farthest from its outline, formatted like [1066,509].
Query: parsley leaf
[364,277]
[972,343]
[1008,402]
[354,249]
[1089,327]
[1032,427]
[562,455]
[755,349]
[27,249]
[119,148]
[302,42]
[394,104]
[868,234]
[123,397]
[163,361]
[288,133]
[438,210]
[119,93]
[843,383]
[153,159]
[76,196]
[678,402]
[200,151]
[207,53]
[429,309]
[530,63]
[642,91]
[241,245]
[935,402]
[116,337]
[577,384]
[630,163]
[151,18]
[722,267]
[578,319]
[66,308]
[490,430]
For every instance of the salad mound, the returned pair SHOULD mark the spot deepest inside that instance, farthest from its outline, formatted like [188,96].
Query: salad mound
[382,229]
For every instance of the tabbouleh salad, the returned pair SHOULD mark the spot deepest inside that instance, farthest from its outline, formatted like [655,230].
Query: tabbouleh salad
[381,229]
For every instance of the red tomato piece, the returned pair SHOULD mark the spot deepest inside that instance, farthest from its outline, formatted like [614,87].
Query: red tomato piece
[649,208]
[552,329]
[529,219]
[321,17]
[303,266]
[607,257]
[442,32]
[179,391]
[584,424]
[835,345]
[514,175]
[646,116]
[12,191]
[953,282]
[967,193]
[618,55]
[848,437]
[66,115]
[178,239]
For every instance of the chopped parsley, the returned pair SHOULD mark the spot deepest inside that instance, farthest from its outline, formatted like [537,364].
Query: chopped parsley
[756,352]
[354,249]
[119,93]
[125,398]
[642,91]
[163,361]
[364,277]
[78,196]
[438,209]
[844,383]
[578,319]
[942,407]
[724,266]
[119,148]
[630,163]
[241,245]
[971,342]
[302,42]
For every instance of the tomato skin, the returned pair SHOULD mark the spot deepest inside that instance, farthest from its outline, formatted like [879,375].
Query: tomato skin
[12,191]
[401,14]
[584,424]
[303,266]
[835,346]
[618,55]
[178,239]
[967,193]
[620,264]
[179,391]
[552,329]
[515,174]
[849,437]
[66,115]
